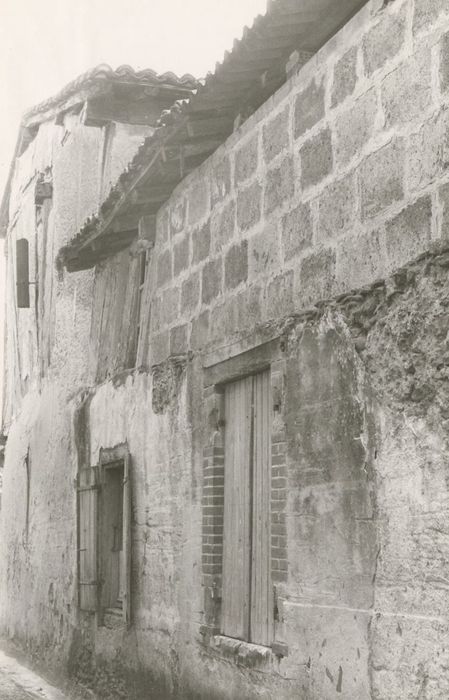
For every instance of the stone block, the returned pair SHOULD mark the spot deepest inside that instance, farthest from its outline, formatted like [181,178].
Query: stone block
[246,160]
[181,255]
[345,77]
[356,126]
[361,260]
[317,277]
[178,212]
[190,294]
[309,108]
[381,178]
[164,268]
[198,201]
[222,226]
[428,151]
[317,159]
[264,252]
[159,348]
[200,243]
[249,206]
[169,305]
[297,231]
[220,180]
[236,265]
[178,340]
[279,185]
[278,297]
[223,321]
[248,307]
[444,62]
[406,92]
[337,208]
[384,40]
[199,331]
[212,280]
[409,233]
[276,135]
[427,12]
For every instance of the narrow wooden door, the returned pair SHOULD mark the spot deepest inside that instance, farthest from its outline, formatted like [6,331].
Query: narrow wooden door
[237,520]
[247,603]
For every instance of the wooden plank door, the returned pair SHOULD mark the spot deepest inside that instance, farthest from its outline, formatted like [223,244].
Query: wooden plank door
[261,588]
[237,521]
[87,542]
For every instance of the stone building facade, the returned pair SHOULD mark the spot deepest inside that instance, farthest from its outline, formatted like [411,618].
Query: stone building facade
[244,356]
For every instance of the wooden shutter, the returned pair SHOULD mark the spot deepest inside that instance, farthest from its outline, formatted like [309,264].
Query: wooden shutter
[87,534]
[261,588]
[236,540]
[22,273]
[127,539]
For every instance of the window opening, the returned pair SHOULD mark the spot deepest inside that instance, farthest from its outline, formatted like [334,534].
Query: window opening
[111,537]
[104,535]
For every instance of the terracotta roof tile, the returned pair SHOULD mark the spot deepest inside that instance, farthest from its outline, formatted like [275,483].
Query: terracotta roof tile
[102,74]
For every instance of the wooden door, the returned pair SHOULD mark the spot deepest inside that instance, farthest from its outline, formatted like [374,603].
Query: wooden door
[247,591]
[237,521]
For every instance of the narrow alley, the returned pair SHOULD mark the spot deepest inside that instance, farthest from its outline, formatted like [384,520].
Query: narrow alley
[19,683]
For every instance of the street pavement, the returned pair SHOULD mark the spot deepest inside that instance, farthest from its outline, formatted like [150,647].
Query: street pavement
[19,683]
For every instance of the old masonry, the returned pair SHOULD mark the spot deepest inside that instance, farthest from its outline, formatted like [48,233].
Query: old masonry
[226,403]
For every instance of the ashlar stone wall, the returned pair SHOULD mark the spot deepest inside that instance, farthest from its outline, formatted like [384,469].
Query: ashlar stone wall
[336,181]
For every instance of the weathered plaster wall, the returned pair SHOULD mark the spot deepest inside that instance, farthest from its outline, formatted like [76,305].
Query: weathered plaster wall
[339,180]
[46,370]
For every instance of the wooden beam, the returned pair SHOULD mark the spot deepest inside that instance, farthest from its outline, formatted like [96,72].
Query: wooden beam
[209,127]
[125,222]
[151,194]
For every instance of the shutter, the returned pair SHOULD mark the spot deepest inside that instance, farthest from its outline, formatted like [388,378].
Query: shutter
[261,588]
[22,273]
[236,538]
[87,534]
[127,539]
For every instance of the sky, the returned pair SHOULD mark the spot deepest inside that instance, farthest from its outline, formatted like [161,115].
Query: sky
[45,45]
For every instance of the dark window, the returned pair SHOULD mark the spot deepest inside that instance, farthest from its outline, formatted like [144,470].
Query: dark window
[112,566]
